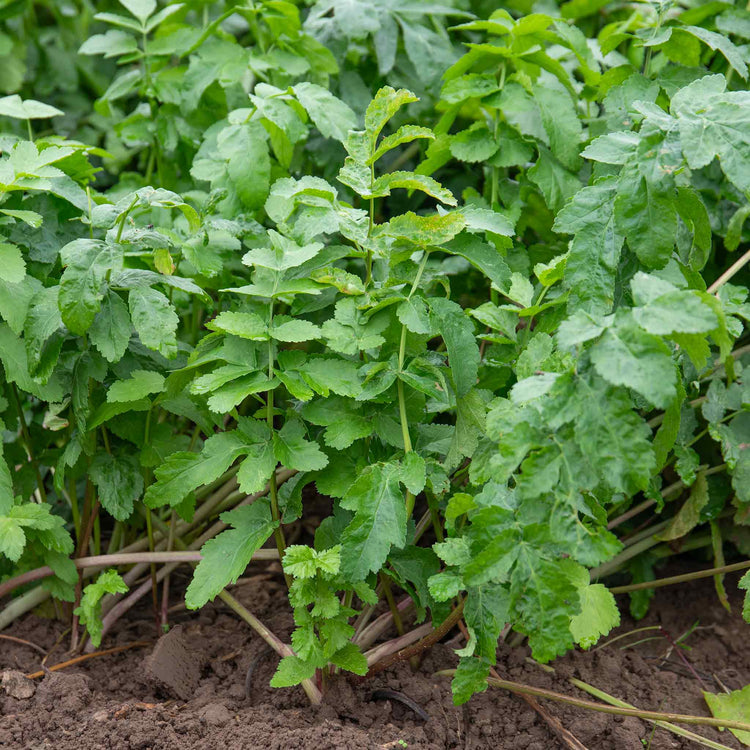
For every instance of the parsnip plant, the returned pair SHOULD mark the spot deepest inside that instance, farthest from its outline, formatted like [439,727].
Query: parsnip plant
[479,324]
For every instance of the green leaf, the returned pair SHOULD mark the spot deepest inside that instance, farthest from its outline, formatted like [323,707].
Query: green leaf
[385,104]
[413,475]
[594,249]
[474,144]
[12,265]
[556,183]
[457,331]
[110,331]
[351,659]
[647,217]
[734,706]
[482,256]
[332,117]
[415,315]
[689,515]
[291,671]
[379,521]
[90,609]
[423,230]
[141,9]
[226,556]
[154,320]
[599,612]
[613,437]
[719,42]
[245,325]
[15,361]
[627,355]
[183,472]
[30,109]
[293,330]
[470,678]
[83,282]
[295,452]
[140,384]
[744,585]
[119,482]
[405,134]
[561,122]
[734,228]
[412,181]
[714,123]
[283,253]
[675,312]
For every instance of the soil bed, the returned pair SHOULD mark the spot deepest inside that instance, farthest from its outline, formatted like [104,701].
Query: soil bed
[123,701]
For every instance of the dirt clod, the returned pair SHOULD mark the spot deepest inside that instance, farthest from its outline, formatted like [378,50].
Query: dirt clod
[173,665]
[16,685]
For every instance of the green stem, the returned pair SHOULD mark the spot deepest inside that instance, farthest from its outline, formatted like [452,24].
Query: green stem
[673,580]
[517,687]
[27,441]
[278,532]
[386,584]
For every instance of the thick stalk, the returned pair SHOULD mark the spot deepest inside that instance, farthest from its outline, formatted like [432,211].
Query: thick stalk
[672,580]
[278,646]
[421,645]
[517,687]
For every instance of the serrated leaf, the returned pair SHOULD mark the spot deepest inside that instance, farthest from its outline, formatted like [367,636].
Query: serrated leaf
[412,181]
[90,609]
[379,521]
[294,451]
[734,706]
[293,330]
[141,9]
[12,264]
[154,319]
[226,556]
[714,123]
[119,483]
[599,612]
[183,472]
[423,230]
[291,671]
[83,282]
[110,331]
[627,355]
[332,117]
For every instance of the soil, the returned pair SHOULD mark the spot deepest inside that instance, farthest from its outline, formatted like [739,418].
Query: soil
[133,699]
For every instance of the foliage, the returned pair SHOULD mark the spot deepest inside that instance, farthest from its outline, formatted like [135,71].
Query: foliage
[478,317]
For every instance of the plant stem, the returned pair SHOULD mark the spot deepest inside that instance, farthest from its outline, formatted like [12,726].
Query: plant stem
[422,645]
[27,441]
[278,646]
[386,584]
[729,273]
[672,580]
[517,687]
[278,532]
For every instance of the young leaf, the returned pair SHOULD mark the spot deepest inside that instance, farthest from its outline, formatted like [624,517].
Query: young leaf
[90,609]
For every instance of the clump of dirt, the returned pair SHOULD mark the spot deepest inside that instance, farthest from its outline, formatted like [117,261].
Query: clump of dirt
[188,691]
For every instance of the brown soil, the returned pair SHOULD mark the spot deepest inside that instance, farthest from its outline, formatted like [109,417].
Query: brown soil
[124,700]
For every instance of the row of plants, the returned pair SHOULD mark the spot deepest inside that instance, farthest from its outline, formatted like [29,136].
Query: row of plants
[467,280]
